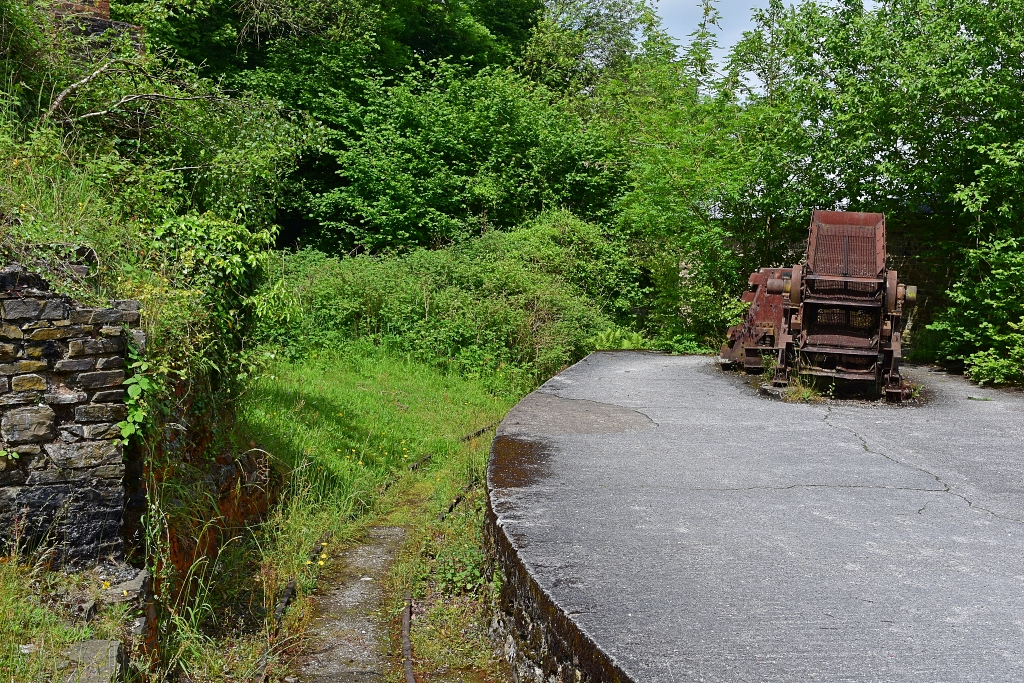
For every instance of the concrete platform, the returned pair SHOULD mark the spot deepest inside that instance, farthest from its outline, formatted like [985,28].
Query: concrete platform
[659,521]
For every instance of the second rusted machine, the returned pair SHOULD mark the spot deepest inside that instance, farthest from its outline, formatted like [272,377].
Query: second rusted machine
[836,316]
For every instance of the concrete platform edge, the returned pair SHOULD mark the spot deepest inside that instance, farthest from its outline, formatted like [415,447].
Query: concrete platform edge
[541,641]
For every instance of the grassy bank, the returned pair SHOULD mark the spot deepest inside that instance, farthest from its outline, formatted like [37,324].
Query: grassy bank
[369,437]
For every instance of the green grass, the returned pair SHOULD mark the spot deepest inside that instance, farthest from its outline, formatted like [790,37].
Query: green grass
[36,613]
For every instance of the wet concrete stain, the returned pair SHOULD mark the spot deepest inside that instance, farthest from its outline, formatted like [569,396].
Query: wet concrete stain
[344,641]
[516,463]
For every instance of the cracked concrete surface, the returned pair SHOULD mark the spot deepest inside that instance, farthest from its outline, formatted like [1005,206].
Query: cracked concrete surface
[344,640]
[697,531]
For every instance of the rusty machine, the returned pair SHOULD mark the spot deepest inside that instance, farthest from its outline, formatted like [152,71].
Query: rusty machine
[836,316]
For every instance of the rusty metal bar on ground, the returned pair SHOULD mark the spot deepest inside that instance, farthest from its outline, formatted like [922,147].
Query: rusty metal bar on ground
[478,432]
[406,641]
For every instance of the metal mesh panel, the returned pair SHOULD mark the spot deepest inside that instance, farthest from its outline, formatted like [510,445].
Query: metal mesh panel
[845,250]
[848,327]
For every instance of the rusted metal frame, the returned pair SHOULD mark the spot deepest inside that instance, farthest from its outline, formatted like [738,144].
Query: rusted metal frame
[842,301]
[843,278]
[840,350]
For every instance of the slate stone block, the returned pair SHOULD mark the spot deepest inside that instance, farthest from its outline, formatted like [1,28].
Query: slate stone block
[84,453]
[49,477]
[74,365]
[62,396]
[109,396]
[54,309]
[94,347]
[89,476]
[96,316]
[96,380]
[127,305]
[28,383]
[20,398]
[49,350]
[102,430]
[71,432]
[110,363]
[101,412]
[31,424]
[8,352]
[35,461]
[98,661]
[22,366]
[111,473]
[11,474]
[8,331]
[48,333]
[22,309]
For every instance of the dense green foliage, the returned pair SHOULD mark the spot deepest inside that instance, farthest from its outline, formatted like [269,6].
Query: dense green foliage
[443,155]
[512,308]
[983,327]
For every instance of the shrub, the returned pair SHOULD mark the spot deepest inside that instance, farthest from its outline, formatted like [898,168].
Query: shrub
[983,327]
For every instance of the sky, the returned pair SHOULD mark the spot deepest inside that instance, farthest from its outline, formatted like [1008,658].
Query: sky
[680,18]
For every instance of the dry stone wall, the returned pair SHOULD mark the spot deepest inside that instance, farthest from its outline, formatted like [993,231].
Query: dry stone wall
[62,478]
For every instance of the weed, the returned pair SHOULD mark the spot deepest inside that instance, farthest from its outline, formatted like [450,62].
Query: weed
[803,390]
[616,338]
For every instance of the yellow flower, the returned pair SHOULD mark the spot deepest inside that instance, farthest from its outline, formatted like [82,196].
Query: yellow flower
[360,462]
[106,585]
[323,556]
[309,561]
[321,563]
[324,543]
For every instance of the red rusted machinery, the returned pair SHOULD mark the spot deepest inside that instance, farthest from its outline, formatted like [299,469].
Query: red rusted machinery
[836,316]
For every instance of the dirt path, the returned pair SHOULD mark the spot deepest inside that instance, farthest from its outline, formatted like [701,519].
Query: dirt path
[344,639]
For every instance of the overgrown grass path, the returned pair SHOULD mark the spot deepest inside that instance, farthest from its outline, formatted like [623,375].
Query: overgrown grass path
[343,643]
[373,441]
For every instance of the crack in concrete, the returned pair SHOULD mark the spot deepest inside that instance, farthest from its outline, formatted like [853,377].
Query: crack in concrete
[556,393]
[814,486]
[946,487]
